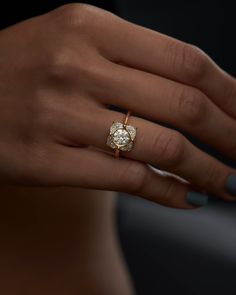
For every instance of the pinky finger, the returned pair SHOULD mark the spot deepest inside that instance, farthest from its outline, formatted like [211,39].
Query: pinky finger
[95,169]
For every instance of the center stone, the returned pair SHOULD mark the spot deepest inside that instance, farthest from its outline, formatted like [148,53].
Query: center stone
[121,137]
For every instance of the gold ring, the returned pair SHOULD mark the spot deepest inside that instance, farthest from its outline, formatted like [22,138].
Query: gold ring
[121,136]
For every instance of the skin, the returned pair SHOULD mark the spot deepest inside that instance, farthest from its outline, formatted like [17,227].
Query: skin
[58,73]
[60,241]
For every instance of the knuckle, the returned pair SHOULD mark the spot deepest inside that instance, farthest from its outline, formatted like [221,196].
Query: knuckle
[66,65]
[133,177]
[193,61]
[73,15]
[60,63]
[191,105]
[168,148]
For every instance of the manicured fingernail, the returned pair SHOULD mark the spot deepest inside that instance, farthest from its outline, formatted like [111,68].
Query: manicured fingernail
[231,185]
[196,199]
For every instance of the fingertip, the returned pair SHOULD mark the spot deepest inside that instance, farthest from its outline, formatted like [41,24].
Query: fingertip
[196,199]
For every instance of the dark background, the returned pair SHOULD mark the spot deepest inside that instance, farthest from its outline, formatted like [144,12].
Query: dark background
[172,251]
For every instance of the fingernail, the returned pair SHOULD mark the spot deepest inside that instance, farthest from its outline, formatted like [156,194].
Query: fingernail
[231,185]
[196,199]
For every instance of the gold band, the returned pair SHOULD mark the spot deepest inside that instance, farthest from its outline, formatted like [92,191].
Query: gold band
[127,117]
[117,153]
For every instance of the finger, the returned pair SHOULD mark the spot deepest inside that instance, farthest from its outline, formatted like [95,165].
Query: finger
[160,146]
[185,107]
[97,170]
[150,51]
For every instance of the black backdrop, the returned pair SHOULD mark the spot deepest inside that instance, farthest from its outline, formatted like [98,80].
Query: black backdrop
[14,11]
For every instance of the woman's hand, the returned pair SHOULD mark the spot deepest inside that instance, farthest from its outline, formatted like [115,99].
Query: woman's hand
[58,73]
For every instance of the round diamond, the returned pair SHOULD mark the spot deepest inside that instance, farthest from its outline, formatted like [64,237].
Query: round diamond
[121,137]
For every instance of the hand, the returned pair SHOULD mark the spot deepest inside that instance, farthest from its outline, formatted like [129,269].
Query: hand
[58,73]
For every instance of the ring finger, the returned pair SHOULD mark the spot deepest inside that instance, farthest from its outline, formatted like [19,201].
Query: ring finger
[154,144]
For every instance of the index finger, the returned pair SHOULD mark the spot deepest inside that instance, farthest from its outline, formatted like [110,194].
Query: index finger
[150,51]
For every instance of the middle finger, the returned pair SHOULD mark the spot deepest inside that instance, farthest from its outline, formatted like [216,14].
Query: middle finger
[185,107]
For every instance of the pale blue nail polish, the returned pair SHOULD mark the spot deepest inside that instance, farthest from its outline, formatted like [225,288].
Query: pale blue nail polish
[231,185]
[196,199]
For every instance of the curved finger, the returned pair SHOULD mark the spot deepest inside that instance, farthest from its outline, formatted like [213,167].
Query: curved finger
[160,99]
[94,169]
[157,145]
[153,52]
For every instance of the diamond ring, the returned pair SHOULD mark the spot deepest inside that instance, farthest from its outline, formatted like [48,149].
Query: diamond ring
[121,136]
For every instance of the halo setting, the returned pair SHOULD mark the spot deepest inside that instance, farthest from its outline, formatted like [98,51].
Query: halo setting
[121,136]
